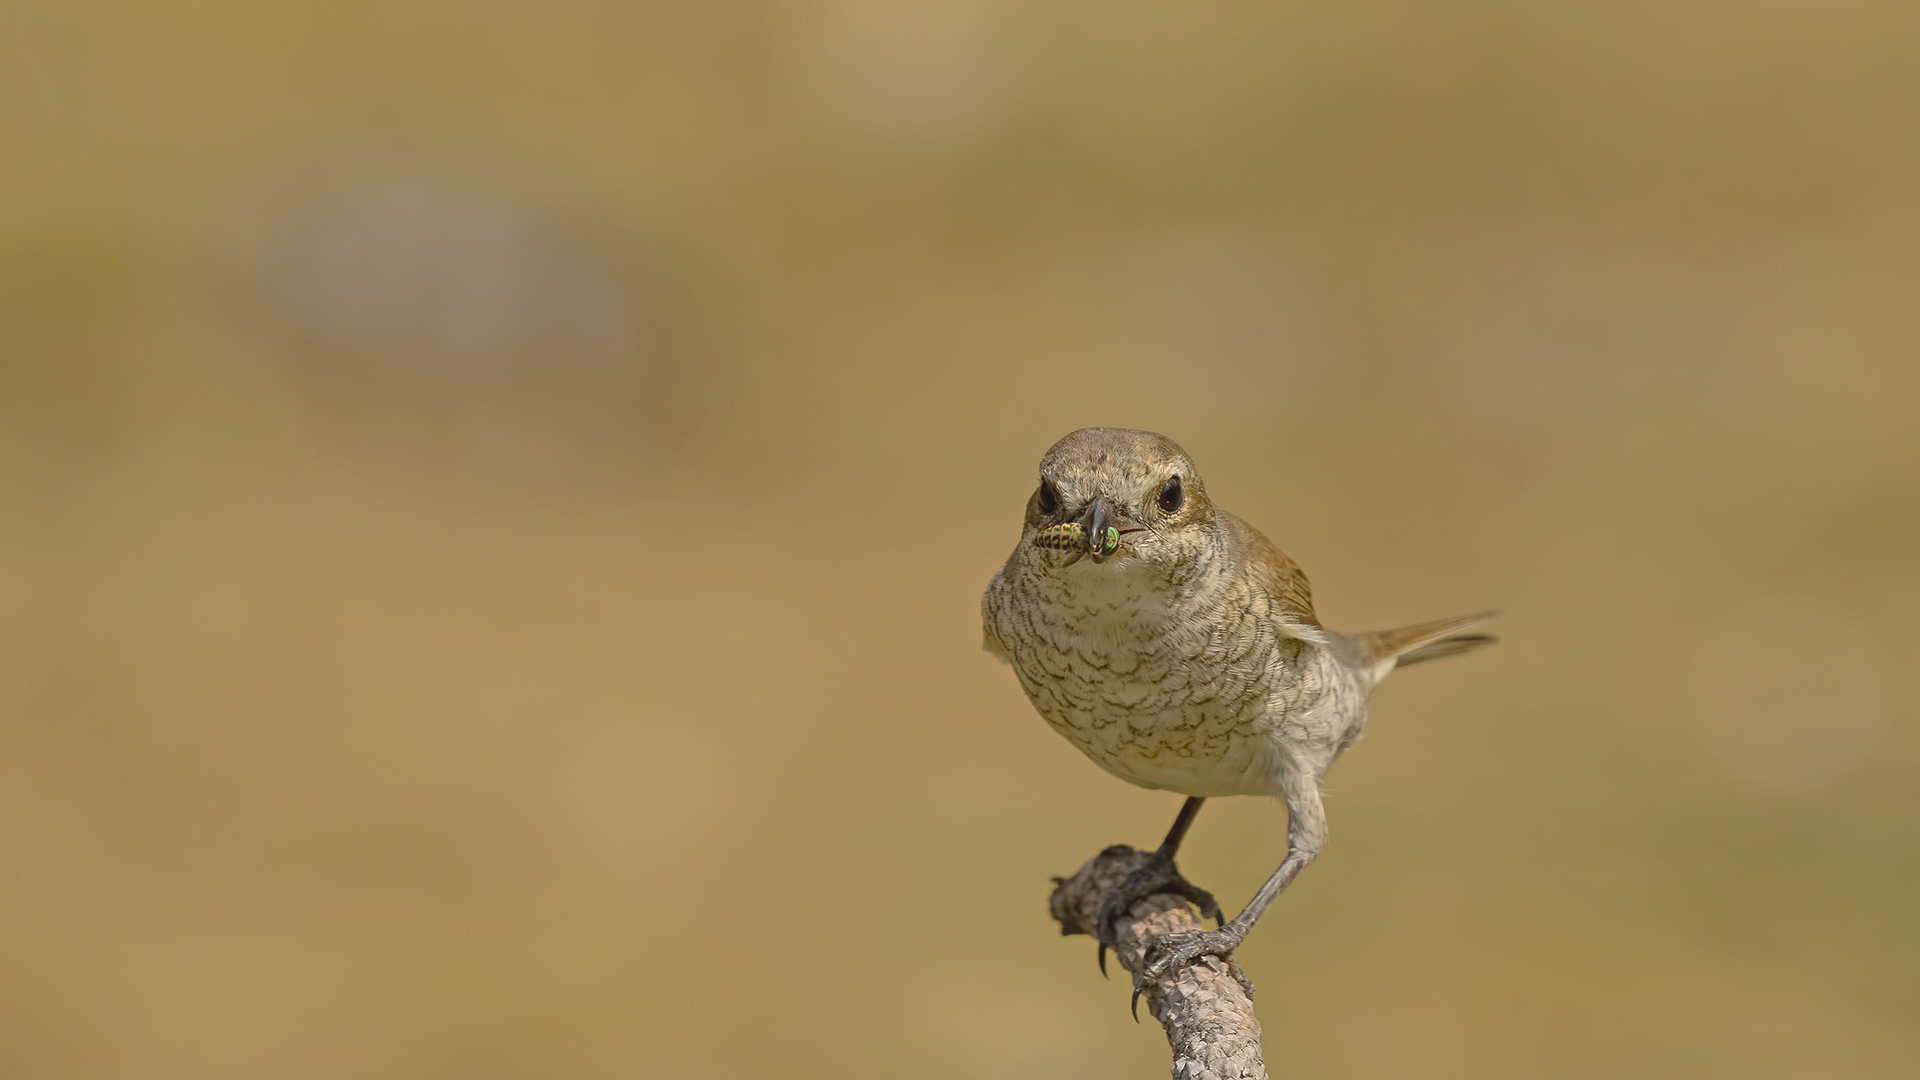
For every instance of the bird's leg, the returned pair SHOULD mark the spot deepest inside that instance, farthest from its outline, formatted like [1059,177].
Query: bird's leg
[1157,875]
[1306,832]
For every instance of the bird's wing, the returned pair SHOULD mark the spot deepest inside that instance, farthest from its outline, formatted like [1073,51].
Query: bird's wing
[1285,583]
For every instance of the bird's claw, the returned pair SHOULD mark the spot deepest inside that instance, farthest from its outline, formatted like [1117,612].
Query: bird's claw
[1168,953]
[1157,875]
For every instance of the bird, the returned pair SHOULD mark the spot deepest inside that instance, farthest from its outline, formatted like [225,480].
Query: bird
[1177,648]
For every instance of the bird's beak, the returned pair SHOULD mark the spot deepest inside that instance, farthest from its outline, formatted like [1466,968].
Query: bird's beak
[1106,527]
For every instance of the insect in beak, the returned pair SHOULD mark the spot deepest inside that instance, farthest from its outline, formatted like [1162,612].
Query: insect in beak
[1065,537]
[1098,533]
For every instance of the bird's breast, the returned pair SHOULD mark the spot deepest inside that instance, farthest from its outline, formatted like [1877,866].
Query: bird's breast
[1157,693]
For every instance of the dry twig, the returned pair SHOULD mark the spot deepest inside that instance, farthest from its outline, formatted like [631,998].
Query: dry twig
[1207,1014]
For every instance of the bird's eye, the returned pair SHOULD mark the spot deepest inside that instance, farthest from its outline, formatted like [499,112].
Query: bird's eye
[1171,497]
[1049,498]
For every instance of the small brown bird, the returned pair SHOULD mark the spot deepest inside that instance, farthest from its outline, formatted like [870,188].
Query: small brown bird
[1177,648]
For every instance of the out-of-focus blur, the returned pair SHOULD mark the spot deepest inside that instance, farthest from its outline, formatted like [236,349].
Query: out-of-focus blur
[494,498]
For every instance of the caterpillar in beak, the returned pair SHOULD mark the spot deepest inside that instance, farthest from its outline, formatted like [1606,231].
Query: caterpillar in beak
[1072,536]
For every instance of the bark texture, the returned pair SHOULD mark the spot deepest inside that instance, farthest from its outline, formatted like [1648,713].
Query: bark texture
[1207,1014]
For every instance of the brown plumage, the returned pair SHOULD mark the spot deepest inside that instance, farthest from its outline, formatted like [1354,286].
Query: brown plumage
[1178,648]
[1426,641]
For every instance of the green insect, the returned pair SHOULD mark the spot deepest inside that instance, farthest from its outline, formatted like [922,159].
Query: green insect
[1073,537]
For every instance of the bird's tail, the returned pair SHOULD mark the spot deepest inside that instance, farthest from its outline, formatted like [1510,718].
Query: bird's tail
[1424,641]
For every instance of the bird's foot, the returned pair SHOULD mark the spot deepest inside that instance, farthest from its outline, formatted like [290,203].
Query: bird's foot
[1157,875]
[1169,952]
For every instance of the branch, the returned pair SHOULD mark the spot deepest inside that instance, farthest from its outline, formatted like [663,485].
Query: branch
[1208,1016]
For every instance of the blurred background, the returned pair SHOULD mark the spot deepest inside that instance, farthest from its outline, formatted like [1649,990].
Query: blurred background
[494,498]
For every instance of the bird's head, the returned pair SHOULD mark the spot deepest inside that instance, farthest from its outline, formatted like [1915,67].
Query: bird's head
[1119,495]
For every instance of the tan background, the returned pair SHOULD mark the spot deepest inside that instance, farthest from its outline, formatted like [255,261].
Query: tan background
[495,496]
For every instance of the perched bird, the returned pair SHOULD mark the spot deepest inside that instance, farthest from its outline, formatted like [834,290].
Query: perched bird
[1178,648]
